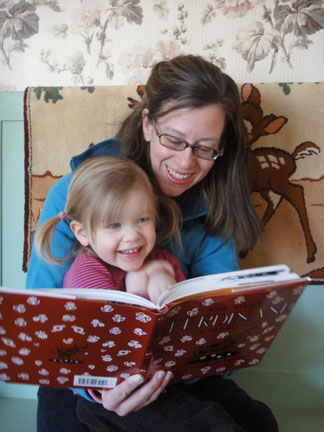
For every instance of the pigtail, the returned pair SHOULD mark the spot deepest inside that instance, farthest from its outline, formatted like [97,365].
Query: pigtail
[43,240]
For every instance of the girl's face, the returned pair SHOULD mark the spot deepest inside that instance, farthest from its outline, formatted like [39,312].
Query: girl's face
[178,171]
[129,238]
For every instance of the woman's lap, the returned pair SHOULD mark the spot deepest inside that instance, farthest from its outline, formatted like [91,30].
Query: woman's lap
[175,410]
[211,404]
[252,415]
[57,411]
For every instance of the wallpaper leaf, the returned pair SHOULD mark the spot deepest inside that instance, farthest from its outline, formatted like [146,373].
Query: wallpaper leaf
[255,43]
[129,9]
[161,9]
[52,4]
[208,14]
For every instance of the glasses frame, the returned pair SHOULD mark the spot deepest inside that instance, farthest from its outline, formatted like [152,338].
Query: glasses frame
[217,153]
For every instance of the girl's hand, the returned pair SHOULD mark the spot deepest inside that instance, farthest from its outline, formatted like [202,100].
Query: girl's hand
[156,267]
[133,394]
[151,280]
[158,284]
[160,278]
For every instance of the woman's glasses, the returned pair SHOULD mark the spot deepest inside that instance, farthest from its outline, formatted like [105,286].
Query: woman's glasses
[177,144]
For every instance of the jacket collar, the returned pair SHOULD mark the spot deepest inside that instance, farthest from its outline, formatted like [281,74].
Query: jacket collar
[108,147]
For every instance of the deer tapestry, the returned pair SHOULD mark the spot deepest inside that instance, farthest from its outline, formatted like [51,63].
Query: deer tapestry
[285,134]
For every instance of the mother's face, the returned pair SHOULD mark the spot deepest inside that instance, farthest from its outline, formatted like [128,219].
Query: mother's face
[178,171]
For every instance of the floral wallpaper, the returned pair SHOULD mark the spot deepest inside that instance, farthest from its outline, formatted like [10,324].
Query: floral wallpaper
[108,42]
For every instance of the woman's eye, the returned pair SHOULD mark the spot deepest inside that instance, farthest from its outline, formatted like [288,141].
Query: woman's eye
[174,140]
[203,149]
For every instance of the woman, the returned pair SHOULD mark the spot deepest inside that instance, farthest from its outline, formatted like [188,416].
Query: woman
[187,134]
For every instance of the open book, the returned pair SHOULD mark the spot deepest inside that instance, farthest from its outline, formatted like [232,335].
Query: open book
[96,338]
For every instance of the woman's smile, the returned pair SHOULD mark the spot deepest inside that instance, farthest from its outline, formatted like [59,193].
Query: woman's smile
[176,176]
[178,171]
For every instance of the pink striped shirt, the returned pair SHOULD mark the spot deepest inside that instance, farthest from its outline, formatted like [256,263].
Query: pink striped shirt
[88,271]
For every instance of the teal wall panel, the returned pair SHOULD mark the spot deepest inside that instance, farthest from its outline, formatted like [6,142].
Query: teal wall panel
[290,378]
[12,204]
[12,208]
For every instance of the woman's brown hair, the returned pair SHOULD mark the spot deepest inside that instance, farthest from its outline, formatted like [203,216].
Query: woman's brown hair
[191,82]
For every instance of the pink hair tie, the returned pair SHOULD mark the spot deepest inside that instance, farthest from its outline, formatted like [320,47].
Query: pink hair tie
[61,215]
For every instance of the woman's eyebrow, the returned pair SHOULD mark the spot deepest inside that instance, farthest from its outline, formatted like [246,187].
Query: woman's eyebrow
[176,131]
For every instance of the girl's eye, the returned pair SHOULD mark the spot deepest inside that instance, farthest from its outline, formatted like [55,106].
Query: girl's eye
[114,226]
[143,220]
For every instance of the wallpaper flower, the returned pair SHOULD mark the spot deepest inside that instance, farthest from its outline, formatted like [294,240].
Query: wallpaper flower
[101,42]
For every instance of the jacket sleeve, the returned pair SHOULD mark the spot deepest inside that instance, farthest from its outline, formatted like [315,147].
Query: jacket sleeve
[40,274]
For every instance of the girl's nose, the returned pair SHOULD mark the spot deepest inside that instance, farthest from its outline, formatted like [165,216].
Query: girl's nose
[130,233]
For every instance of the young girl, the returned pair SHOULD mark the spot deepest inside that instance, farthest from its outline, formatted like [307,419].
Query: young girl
[112,211]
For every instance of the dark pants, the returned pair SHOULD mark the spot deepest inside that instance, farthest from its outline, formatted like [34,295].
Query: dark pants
[56,411]
[212,404]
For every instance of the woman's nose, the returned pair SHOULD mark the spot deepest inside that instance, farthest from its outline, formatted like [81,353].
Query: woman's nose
[186,158]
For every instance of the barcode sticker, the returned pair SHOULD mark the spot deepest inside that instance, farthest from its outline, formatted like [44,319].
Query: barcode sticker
[92,381]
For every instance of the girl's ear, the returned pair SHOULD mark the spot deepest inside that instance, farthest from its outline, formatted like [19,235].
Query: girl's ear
[80,233]
[147,125]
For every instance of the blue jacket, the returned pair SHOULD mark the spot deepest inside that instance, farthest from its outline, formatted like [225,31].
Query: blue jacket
[200,254]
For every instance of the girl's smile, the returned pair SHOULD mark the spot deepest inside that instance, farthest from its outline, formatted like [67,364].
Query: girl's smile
[128,239]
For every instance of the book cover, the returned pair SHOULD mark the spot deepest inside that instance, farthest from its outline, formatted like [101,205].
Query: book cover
[60,338]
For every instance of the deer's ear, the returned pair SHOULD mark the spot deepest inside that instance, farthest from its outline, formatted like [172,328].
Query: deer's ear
[250,94]
[80,233]
[246,90]
[273,124]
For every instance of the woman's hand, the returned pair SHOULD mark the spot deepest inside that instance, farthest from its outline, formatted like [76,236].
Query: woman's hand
[133,394]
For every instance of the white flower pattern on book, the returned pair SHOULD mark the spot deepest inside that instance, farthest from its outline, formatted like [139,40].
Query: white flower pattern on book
[20,308]
[143,317]
[33,301]
[40,318]
[58,328]
[70,306]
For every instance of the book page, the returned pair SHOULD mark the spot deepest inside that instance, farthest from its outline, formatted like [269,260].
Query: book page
[226,281]
[85,293]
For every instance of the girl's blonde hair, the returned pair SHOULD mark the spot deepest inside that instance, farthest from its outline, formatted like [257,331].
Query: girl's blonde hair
[98,190]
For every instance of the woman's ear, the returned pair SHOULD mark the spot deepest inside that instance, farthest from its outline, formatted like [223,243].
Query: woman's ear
[147,125]
[80,233]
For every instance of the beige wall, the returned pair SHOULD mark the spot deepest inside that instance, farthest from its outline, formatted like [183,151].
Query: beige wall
[100,42]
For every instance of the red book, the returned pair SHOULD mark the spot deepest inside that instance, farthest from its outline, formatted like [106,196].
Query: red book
[96,338]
